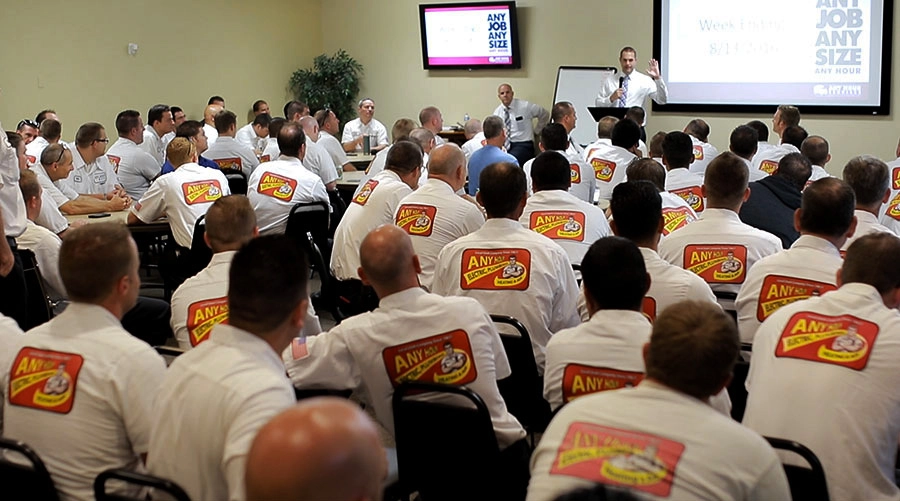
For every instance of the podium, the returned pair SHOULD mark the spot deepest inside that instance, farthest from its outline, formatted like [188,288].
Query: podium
[598,112]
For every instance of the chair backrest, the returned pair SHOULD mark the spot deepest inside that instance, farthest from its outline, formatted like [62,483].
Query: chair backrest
[173,490]
[806,483]
[237,182]
[201,254]
[29,477]
[737,391]
[38,304]
[438,441]
[523,390]
[313,219]
[576,267]
[169,353]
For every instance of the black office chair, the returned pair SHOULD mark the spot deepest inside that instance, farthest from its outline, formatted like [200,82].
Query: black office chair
[308,226]
[38,303]
[201,254]
[237,182]
[737,392]
[29,477]
[445,451]
[576,267]
[730,298]
[338,208]
[806,483]
[523,390]
[159,485]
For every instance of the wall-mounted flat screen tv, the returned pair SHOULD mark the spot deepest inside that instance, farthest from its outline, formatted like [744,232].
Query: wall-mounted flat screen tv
[469,35]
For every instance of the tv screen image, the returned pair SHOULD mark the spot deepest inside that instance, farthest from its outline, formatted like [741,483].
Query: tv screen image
[469,35]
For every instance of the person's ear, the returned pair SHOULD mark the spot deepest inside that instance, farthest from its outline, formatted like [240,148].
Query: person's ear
[478,198]
[298,315]
[798,214]
[746,194]
[614,227]
[839,277]
[416,264]
[362,276]
[887,196]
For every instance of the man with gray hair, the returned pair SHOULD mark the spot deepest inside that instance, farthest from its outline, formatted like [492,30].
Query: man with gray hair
[491,152]
[474,137]
[871,182]
[364,126]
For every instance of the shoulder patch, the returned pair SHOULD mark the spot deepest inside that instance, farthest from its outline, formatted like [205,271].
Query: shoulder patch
[558,225]
[717,263]
[416,219]
[603,169]
[363,196]
[495,269]
[693,196]
[579,380]
[445,358]
[844,340]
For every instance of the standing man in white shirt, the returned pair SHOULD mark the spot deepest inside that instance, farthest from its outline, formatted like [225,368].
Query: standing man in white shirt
[93,174]
[209,122]
[678,154]
[276,186]
[218,395]
[246,135]
[364,125]
[135,167]
[329,129]
[563,113]
[870,179]
[629,87]
[815,149]
[83,387]
[231,156]
[703,151]
[434,215]
[511,270]
[518,118]
[825,220]
[841,348]
[160,125]
[430,118]
[609,161]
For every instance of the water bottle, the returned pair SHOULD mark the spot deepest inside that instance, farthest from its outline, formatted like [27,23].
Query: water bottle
[466,118]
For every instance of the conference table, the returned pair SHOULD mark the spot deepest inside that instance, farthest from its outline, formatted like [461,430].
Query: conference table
[347,183]
[160,226]
[359,160]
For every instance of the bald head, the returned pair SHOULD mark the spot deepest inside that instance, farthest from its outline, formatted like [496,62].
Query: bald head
[209,114]
[448,163]
[322,449]
[310,126]
[387,260]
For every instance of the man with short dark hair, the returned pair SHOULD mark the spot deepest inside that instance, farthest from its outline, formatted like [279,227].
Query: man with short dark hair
[815,149]
[134,166]
[843,344]
[365,125]
[609,161]
[491,152]
[765,163]
[678,154]
[92,172]
[511,270]
[619,438]
[217,101]
[45,114]
[51,133]
[871,182]
[744,142]
[231,156]
[517,116]
[218,395]
[563,113]
[555,138]
[762,132]
[178,117]
[159,124]
[785,116]
[195,132]
[703,151]
[825,220]
[28,130]
[628,87]
[774,199]
[248,135]
[675,210]
[295,110]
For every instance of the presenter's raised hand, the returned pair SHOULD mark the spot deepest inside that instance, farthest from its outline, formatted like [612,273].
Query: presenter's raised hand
[653,69]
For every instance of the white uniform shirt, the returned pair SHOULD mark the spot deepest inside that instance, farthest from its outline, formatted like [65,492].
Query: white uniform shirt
[574,149]
[214,400]
[582,174]
[373,205]
[818,172]
[96,178]
[232,156]
[154,145]
[767,161]
[640,87]
[45,246]
[472,145]
[703,155]
[824,373]
[670,284]
[334,148]
[183,195]
[808,268]
[84,391]
[667,445]
[34,150]
[275,187]
[247,136]
[512,271]
[271,150]
[319,162]
[355,128]
[572,223]
[433,216]
[891,211]
[212,135]
[521,116]
[720,248]
[609,163]
[134,167]
[12,204]
[375,167]
[381,349]
[686,185]
[51,199]
[604,353]
[866,223]
[676,213]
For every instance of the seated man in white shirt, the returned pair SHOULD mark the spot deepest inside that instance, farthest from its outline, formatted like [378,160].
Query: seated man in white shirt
[295,110]
[703,151]
[870,179]
[93,174]
[555,138]
[619,438]
[676,212]
[317,160]
[815,148]
[218,395]
[744,142]
[474,137]
[610,161]
[356,130]
[604,135]
[369,351]
[785,116]
[209,122]
[231,156]
[563,113]
[157,133]
[54,167]
[400,131]
[825,221]
[39,240]
[275,187]
[270,150]
[322,448]
[678,155]
[430,118]
[247,134]
[84,387]
[329,129]
[51,133]
[766,163]
[135,167]
[845,345]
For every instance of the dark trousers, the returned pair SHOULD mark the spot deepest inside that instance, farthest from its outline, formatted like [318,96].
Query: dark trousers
[13,292]
[523,151]
[149,321]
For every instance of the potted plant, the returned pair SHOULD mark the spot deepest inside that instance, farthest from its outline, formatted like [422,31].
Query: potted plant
[332,82]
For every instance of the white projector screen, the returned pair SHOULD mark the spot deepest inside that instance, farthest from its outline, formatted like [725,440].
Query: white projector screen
[824,56]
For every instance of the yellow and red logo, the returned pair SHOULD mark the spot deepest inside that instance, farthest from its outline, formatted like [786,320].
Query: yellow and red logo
[416,219]
[265,158]
[603,169]
[445,358]
[768,166]
[580,380]
[648,308]
[693,196]
[495,269]
[779,290]
[365,192]
[717,264]
[576,173]
[114,160]
[276,186]
[893,209]
[895,175]
[203,316]
[558,224]
[613,456]
[200,192]
[698,152]
[843,340]
[233,164]
[44,380]
[31,159]
[674,218]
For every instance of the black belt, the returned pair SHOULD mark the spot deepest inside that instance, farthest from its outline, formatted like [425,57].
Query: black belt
[12,242]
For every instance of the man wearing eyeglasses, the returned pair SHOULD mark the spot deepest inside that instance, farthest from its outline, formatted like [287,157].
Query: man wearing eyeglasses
[93,173]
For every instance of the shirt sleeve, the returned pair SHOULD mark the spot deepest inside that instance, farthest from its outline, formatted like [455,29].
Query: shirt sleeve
[552,386]
[49,254]
[320,194]
[138,380]
[347,136]
[147,167]
[328,363]
[661,94]
[542,115]
[382,134]
[152,205]
[772,484]
[327,170]
[607,88]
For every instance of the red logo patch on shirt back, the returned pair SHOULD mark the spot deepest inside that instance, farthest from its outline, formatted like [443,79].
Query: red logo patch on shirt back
[233,164]
[495,269]
[203,316]
[698,152]
[200,192]
[276,186]
[779,290]
[674,218]
[416,219]
[580,380]
[445,358]
[896,178]
[717,264]
[576,173]
[768,166]
[693,196]
[639,461]
[843,340]
[365,192]
[114,160]
[603,169]
[558,225]
[893,209]
[44,380]
[648,308]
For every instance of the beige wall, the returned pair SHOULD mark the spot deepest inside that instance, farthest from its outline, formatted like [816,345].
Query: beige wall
[188,51]
[385,38]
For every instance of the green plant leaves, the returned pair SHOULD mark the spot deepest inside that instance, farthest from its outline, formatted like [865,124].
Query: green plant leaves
[332,82]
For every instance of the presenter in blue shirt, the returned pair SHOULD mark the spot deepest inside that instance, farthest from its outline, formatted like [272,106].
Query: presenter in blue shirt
[492,152]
